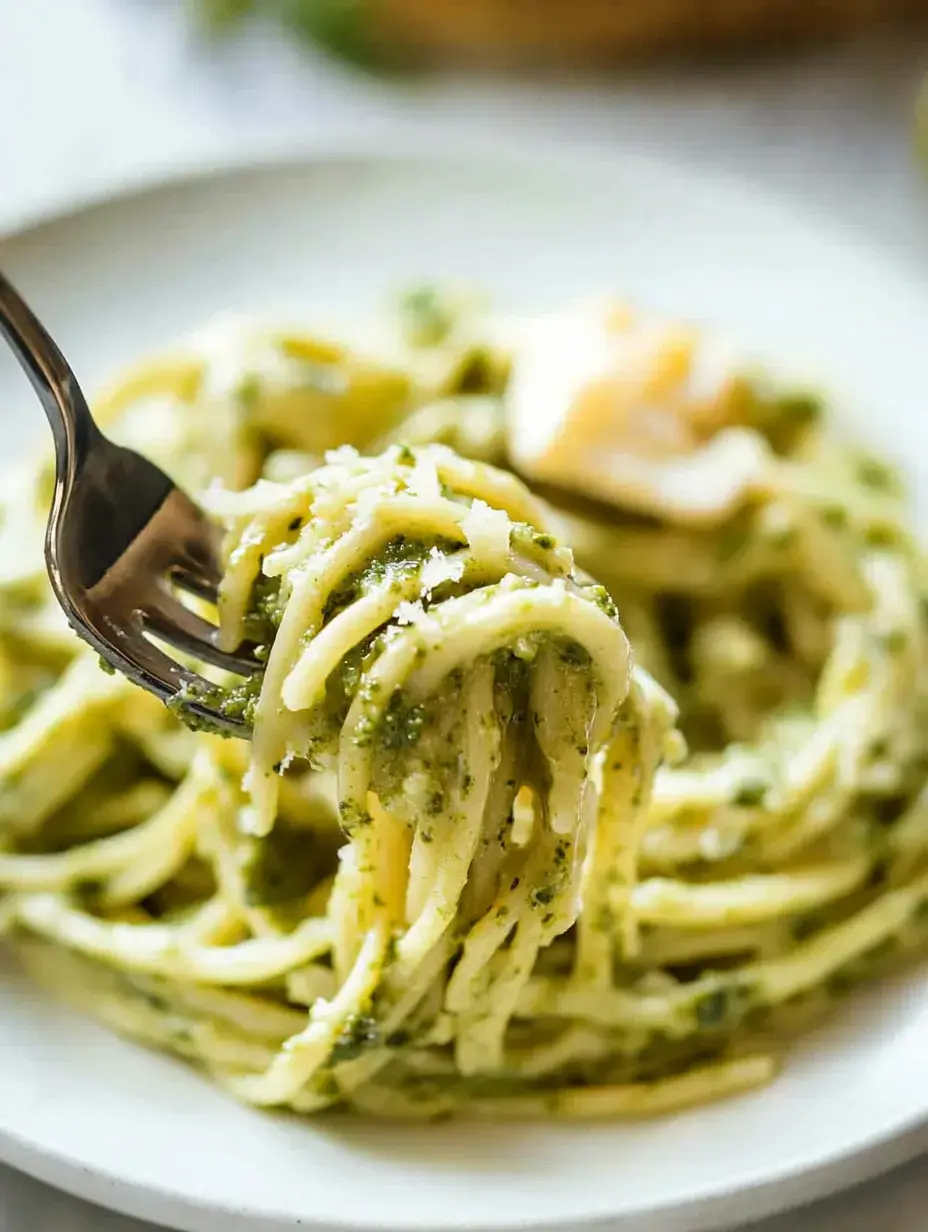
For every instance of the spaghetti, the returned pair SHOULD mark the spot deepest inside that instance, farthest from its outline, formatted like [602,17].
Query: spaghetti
[467,862]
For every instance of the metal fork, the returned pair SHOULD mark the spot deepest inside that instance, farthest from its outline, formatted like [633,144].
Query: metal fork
[121,539]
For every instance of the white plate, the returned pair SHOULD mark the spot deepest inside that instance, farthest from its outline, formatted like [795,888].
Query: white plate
[139,1132]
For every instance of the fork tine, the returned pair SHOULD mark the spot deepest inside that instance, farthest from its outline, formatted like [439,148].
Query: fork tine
[157,671]
[165,672]
[196,583]
[197,567]
[168,619]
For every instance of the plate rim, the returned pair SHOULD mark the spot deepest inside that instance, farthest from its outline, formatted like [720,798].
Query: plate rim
[712,1212]
[710,1207]
[423,140]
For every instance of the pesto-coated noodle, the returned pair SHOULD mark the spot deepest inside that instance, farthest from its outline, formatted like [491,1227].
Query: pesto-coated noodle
[467,861]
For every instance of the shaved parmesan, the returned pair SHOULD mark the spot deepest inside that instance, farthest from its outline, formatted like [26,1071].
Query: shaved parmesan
[636,414]
[486,530]
[438,569]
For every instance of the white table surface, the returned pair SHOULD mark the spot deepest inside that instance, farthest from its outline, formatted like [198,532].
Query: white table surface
[94,93]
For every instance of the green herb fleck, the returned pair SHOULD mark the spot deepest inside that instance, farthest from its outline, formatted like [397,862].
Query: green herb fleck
[732,541]
[601,597]
[799,408]
[87,891]
[873,473]
[835,517]
[894,641]
[750,793]
[402,723]
[248,394]
[805,926]
[359,1033]
[575,655]
[882,535]
[426,316]
[723,1007]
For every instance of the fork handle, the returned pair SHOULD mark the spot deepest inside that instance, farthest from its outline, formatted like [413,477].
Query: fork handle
[65,406]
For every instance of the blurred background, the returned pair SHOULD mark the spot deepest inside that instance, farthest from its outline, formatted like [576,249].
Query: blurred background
[816,99]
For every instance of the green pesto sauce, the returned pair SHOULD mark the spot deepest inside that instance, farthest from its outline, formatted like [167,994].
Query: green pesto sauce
[236,703]
[19,704]
[359,1033]
[876,475]
[346,680]
[538,546]
[479,373]
[284,866]
[723,1008]
[397,727]
[601,598]
[399,558]
[573,654]
[426,316]
[784,417]
[751,793]
[264,612]
[511,672]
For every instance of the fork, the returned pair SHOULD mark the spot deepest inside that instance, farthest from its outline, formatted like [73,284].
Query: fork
[122,540]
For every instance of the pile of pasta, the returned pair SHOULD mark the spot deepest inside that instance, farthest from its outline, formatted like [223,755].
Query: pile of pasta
[567,793]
